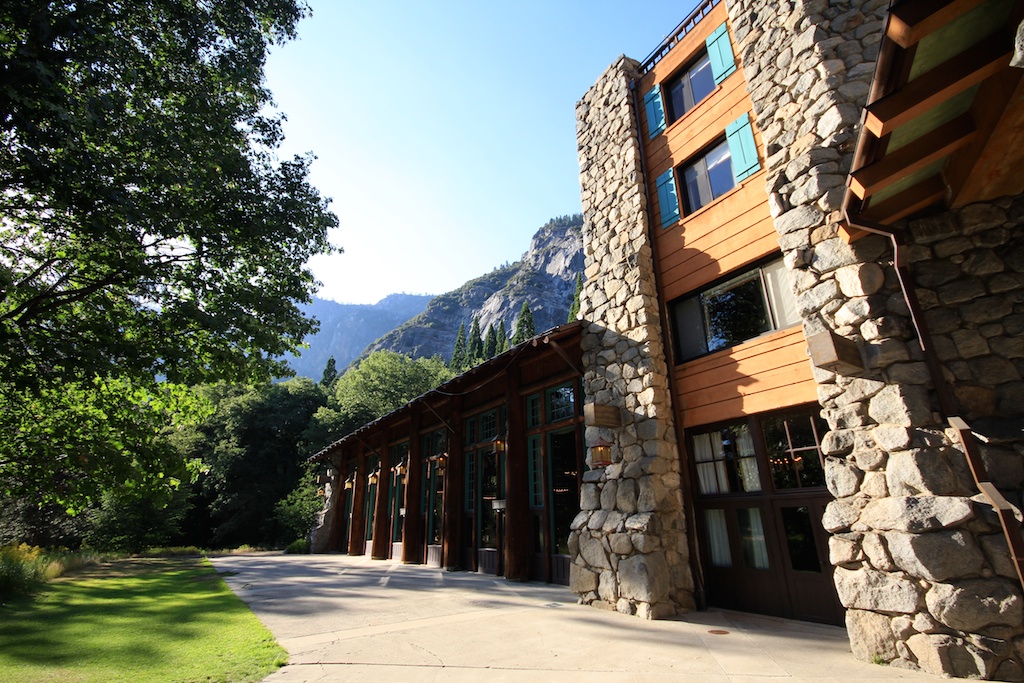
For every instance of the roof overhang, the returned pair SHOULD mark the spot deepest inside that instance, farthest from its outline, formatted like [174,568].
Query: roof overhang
[944,123]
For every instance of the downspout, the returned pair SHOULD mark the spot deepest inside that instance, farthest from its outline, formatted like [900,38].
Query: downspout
[699,592]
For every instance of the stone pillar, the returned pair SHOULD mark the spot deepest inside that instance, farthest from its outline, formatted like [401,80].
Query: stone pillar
[920,564]
[628,542]
[326,519]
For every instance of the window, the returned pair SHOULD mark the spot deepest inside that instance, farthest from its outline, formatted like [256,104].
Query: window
[561,402]
[711,174]
[708,177]
[793,443]
[730,312]
[726,462]
[694,84]
[690,87]
[534,460]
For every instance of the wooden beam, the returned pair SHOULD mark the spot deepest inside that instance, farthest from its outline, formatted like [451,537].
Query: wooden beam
[929,191]
[914,156]
[938,85]
[912,20]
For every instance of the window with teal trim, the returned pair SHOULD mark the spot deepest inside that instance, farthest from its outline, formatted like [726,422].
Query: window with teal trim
[470,493]
[708,177]
[688,87]
[488,425]
[535,471]
[533,411]
[561,402]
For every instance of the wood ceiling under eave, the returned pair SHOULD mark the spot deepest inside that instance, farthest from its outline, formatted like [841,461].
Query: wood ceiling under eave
[945,121]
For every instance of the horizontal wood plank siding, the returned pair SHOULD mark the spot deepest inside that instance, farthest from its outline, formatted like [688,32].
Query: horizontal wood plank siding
[766,373]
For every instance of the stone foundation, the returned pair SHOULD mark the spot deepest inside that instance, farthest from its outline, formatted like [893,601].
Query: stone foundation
[628,542]
[921,564]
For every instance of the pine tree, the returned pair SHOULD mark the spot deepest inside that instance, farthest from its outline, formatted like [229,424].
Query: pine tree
[459,352]
[502,337]
[474,344]
[574,310]
[524,325]
[330,373]
[490,343]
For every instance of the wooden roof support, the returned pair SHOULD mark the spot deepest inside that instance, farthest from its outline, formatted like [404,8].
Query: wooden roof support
[920,196]
[938,85]
[912,20]
[914,156]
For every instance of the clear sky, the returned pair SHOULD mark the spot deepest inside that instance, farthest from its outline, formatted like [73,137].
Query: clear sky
[445,129]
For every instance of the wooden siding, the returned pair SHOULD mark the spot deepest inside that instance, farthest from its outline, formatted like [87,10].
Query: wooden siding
[769,372]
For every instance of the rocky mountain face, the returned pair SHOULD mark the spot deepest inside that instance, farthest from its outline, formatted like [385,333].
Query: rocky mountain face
[545,278]
[346,329]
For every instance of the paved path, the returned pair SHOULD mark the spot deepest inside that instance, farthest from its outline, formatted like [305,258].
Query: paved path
[347,618]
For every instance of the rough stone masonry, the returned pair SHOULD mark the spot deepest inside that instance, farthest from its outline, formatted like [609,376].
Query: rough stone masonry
[920,563]
[628,542]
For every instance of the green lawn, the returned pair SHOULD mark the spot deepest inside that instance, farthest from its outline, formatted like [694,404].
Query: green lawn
[138,620]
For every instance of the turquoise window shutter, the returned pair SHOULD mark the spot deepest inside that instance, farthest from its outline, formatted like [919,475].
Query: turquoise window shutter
[742,148]
[723,63]
[668,202]
[655,112]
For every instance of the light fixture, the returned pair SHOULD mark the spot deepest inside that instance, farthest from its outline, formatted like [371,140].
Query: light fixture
[402,467]
[600,453]
[498,444]
[442,463]
[374,476]
[350,482]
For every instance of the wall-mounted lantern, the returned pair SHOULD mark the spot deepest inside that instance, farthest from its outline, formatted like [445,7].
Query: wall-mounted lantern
[600,453]
[374,476]
[350,482]
[402,467]
[442,463]
[498,444]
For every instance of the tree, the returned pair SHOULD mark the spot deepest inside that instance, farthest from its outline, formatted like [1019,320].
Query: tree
[490,343]
[502,337]
[149,231]
[574,309]
[330,374]
[474,344]
[524,325]
[458,361]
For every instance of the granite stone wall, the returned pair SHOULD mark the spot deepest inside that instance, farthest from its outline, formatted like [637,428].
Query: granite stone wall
[628,542]
[920,563]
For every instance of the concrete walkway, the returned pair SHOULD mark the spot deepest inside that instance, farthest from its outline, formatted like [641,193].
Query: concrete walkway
[347,618]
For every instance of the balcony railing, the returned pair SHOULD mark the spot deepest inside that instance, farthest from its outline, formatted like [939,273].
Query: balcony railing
[673,38]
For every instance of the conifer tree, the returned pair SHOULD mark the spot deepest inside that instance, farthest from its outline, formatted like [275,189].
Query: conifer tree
[490,343]
[474,344]
[459,352]
[330,373]
[502,337]
[574,309]
[524,325]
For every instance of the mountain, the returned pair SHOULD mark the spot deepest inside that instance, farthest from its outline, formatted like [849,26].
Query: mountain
[545,277]
[346,329]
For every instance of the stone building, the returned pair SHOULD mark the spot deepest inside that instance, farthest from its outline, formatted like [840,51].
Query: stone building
[870,152]
[797,382]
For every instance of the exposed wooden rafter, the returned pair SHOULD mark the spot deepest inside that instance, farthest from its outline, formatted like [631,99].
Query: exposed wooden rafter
[922,195]
[926,149]
[912,20]
[938,85]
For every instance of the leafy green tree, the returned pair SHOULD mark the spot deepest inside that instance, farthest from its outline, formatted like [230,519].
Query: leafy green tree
[490,343]
[524,325]
[382,382]
[474,344]
[131,523]
[253,449]
[149,230]
[458,361]
[574,309]
[297,511]
[330,374]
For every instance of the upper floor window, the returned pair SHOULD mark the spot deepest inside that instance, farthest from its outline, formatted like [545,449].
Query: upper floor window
[693,85]
[708,177]
[733,311]
[689,87]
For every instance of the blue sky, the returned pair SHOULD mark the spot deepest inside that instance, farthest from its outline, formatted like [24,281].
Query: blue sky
[445,130]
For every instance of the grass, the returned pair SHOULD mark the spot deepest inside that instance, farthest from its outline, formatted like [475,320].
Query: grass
[140,620]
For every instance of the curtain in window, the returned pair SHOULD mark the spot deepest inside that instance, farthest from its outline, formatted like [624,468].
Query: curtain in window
[749,475]
[710,468]
[718,538]
[755,552]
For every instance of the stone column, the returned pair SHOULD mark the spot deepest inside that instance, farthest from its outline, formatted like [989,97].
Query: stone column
[628,542]
[920,565]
